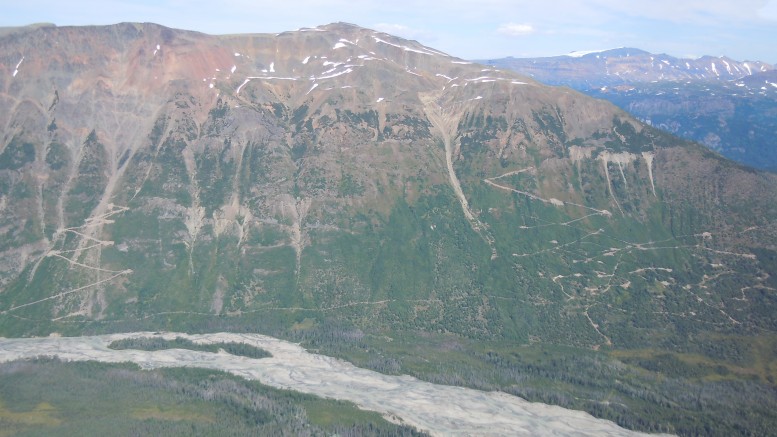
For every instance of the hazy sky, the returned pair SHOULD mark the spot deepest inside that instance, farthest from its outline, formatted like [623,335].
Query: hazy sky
[741,29]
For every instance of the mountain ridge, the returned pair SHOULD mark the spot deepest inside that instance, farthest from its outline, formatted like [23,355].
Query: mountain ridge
[624,65]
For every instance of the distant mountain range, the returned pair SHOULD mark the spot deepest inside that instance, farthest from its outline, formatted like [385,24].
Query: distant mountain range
[727,105]
[586,70]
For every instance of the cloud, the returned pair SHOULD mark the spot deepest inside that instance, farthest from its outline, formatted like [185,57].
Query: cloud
[513,29]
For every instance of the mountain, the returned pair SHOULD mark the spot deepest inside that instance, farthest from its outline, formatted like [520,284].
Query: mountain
[387,203]
[727,105]
[624,66]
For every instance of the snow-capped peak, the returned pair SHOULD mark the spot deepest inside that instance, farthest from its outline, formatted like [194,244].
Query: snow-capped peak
[581,53]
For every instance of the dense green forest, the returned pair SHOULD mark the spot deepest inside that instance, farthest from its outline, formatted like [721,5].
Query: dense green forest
[158,343]
[52,398]
[648,390]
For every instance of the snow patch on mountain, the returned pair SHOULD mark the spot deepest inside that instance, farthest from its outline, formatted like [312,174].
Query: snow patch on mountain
[329,76]
[16,69]
[405,48]
[481,79]
[728,67]
[248,79]
[581,53]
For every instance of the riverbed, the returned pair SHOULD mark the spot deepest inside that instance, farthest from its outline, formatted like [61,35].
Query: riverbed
[438,409]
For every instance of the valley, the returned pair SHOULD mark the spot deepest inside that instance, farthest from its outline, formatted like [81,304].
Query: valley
[406,399]
[384,203]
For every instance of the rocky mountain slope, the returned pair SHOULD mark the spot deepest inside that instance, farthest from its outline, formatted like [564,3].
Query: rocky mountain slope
[390,204]
[729,106]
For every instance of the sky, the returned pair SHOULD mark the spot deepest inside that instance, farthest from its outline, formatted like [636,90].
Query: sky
[469,29]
